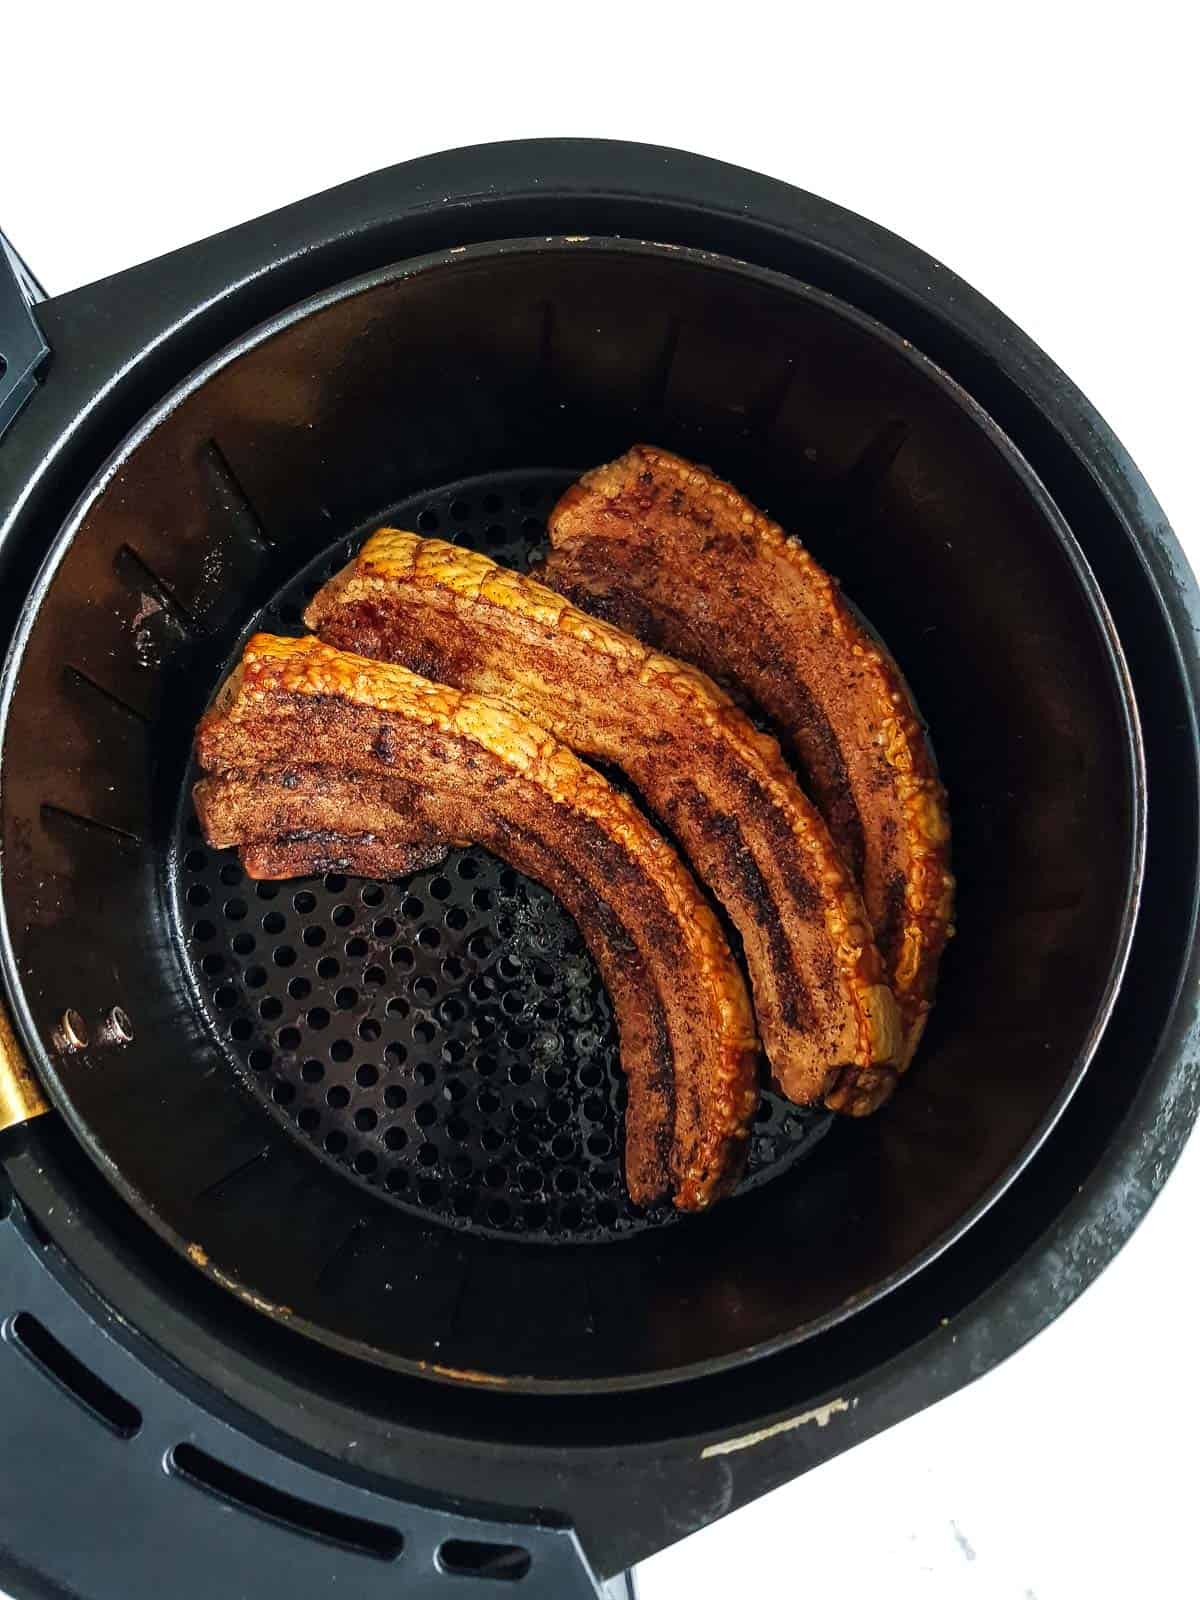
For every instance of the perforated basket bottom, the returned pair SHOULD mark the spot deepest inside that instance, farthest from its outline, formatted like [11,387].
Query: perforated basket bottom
[445,1038]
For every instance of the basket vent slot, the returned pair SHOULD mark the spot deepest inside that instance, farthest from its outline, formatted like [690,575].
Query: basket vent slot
[472,1558]
[263,1500]
[35,1341]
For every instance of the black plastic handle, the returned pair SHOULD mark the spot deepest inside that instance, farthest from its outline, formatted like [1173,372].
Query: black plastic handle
[73,1389]
[23,347]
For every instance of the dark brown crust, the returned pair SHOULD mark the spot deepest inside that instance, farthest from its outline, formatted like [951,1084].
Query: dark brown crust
[656,544]
[303,740]
[301,854]
[724,790]
[294,820]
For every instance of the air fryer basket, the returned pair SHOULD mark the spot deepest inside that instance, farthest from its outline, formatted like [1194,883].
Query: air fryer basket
[388,1114]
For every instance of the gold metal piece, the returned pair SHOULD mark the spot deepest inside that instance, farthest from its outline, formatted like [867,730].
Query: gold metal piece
[73,1031]
[21,1098]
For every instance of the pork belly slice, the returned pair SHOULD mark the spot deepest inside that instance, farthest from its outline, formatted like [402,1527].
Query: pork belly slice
[669,551]
[827,1020]
[315,755]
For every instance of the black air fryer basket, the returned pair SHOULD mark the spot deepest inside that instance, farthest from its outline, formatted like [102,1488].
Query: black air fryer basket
[312,1189]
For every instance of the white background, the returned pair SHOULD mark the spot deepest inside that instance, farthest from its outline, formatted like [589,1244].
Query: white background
[1049,154]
